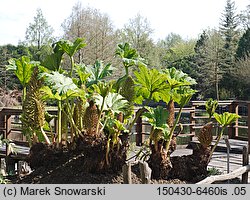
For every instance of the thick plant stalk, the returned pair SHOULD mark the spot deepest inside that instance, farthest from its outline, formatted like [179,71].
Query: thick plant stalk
[24,94]
[171,113]
[138,114]
[59,127]
[107,151]
[45,136]
[173,128]
[216,143]
[72,66]
[69,114]
[99,116]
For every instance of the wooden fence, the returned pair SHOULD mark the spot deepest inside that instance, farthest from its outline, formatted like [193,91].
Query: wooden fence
[197,117]
[242,171]
[11,128]
[195,112]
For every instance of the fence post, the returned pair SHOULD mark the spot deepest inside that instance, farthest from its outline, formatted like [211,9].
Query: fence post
[233,129]
[2,124]
[126,171]
[192,120]
[248,122]
[244,163]
[145,172]
[139,136]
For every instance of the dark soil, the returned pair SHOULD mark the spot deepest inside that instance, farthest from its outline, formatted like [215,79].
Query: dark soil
[52,165]
[72,172]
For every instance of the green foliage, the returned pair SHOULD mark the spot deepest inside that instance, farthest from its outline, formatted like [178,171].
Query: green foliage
[179,84]
[180,50]
[98,72]
[59,83]
[71,48]
[82,75]
[211,106]
[150,85]
[209,61]
[3,180]
[213,171]
[62,88]
[243,49]
[177,78]
[157,117]
[113,102]
[103,88]
[183,95]
[129,56]
[226,118]
[53,60]
[33,115]
[115,128]
[64,46]
[8,79]
[23,69]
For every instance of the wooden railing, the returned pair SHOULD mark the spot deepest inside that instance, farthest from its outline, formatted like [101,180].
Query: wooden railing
[12,129]
[242,171]
[195,112]
[197,118]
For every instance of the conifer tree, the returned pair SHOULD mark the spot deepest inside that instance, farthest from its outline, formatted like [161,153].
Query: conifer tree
[230,34]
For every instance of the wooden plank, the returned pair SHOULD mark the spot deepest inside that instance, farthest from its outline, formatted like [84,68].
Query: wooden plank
[126,171]
[139,135]
[145,172]
[245,162]
[248,122]
[223,177]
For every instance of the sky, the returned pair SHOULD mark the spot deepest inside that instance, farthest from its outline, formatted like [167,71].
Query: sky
[185,17]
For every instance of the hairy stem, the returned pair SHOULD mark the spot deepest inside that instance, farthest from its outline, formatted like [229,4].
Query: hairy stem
[216,143]
[173,128]
[99,116]
[59,119]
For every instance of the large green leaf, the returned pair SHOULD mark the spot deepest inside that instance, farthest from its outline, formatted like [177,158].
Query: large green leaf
[98,72]
[83,76]
[156,116]
[59,82]
[103,88]
[183,95]
[129,55]
[48,93]
[113,102]
[71,48]
[211,106]
[226,118]
[53,61]
[23,69]
[177,78]
[151,84]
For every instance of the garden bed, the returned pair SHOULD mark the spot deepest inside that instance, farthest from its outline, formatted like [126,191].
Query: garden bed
[71,172]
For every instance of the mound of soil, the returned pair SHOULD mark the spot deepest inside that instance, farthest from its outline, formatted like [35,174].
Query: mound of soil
[72,172]
[53,166]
